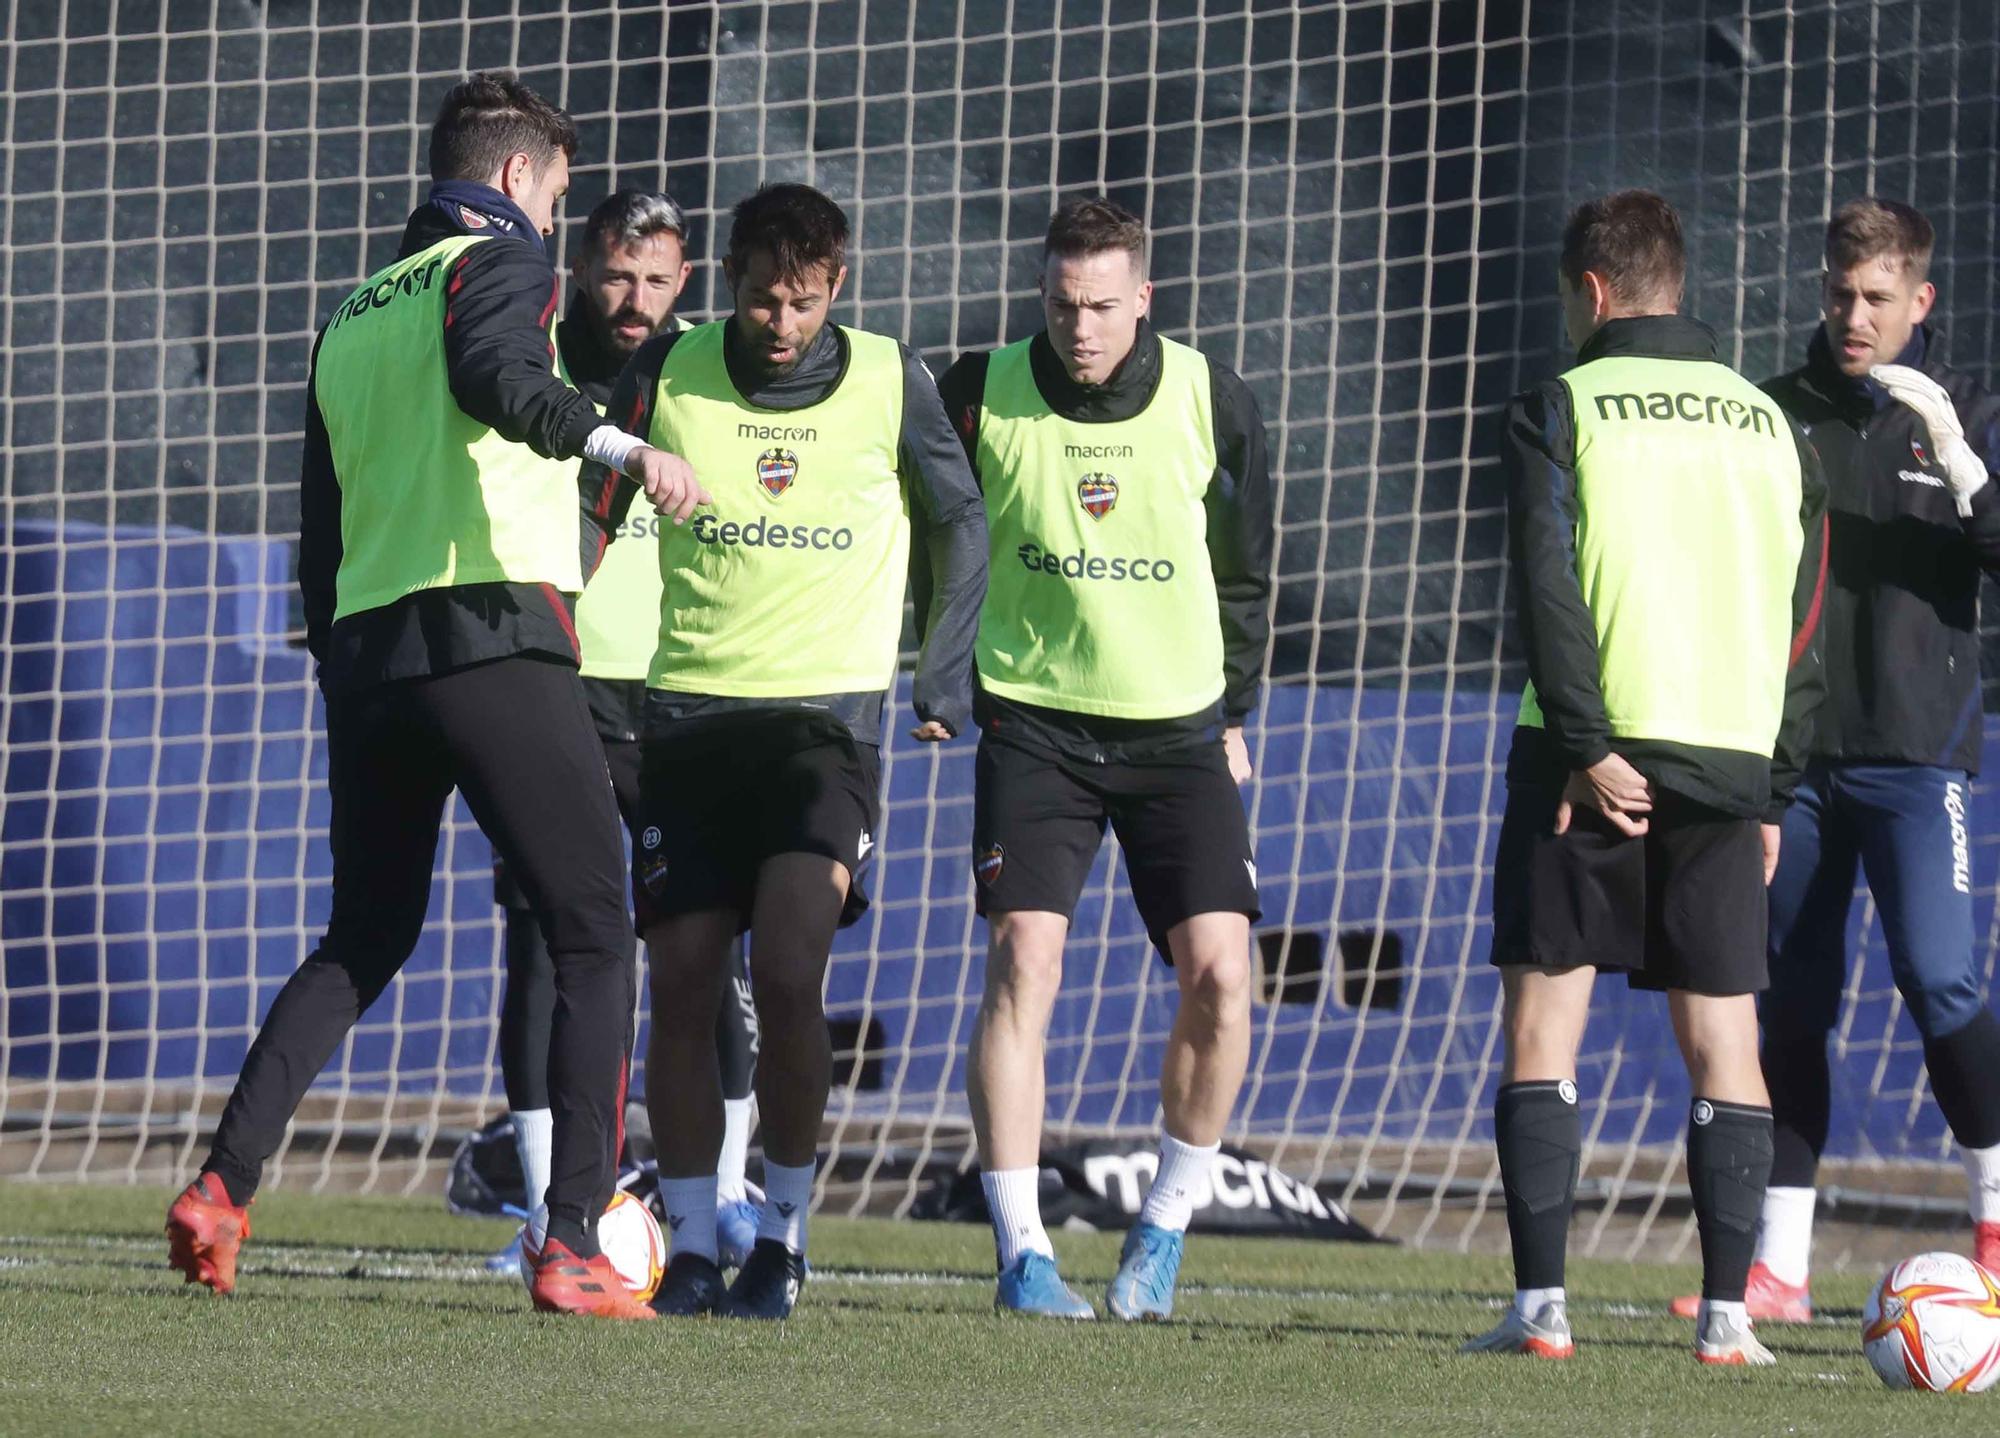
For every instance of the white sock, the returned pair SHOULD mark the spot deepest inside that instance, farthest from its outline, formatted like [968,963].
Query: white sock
[788,1193]
[735,1150]
[1784,1233]
[690,1206]
[1737,1313]
[535,1140]
[1182,1177]
[1014,1199]
[1529,1302]
[1982,1176]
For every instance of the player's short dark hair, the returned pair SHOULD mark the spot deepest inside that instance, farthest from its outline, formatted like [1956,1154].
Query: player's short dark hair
[1091,225]
[1633,240]
[802,231]
[489,116]
[629,217]
[1872,228]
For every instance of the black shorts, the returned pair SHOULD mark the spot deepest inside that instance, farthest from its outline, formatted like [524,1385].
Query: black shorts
[721,794]
[1038,818]
[1681,907]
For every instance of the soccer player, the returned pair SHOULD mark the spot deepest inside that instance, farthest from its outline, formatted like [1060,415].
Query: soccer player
[1665,521]
[1906,441]
[1120,649]
[438,548]
[629,269]
[828,455]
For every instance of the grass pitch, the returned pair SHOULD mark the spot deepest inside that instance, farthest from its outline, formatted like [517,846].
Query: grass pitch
[373,1315]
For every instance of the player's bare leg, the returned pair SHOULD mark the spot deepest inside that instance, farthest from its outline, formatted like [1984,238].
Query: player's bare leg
[1200,1076]
[1004,1077]
[1208,1049]
[689,954]
[1540,1142]
[1005,1085]
[1729,1163]
[798,904]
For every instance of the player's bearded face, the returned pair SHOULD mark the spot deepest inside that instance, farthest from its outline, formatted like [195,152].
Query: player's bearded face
[631,289]
[779,316]
[1092,305]
[1871,309]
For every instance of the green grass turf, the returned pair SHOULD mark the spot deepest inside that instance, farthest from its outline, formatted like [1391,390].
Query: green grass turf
[371,1316]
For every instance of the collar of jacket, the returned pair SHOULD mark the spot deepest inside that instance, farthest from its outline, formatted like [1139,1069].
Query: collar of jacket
[1127,390]
[1861,393]
[460,207]
[1654,336]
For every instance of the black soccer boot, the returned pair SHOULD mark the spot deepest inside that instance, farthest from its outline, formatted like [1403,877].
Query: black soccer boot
[691,1287]
[767,1285]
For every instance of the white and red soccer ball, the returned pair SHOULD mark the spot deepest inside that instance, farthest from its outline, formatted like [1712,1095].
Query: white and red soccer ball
[629,1235]
[1933,1324]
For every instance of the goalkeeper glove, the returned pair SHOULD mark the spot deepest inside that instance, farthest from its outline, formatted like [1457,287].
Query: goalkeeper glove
[1964,471]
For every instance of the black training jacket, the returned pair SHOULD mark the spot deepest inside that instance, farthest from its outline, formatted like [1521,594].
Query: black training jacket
[500,366]
[1902,606]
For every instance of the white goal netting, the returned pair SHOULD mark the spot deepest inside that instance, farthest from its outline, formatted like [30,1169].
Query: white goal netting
[1353,204]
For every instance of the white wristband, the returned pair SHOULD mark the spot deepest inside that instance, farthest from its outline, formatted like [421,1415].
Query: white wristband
[610,446]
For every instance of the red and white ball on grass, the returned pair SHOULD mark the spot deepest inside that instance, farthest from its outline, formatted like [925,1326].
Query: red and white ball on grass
[1933,1324]
[629,1235]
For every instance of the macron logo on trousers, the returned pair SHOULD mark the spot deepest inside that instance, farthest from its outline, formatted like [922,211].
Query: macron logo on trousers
[1961,855]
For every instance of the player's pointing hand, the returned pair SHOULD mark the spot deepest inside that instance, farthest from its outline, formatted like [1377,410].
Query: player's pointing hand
[669,482]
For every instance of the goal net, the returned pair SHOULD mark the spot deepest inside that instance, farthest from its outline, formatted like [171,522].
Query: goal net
[1353,204]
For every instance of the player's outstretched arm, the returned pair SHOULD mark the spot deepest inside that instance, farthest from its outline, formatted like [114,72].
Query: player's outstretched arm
[948,519]
[499,355]
[618,465]
[1241,505]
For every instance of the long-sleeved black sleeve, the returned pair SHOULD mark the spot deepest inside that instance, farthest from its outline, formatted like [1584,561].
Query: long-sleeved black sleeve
[1242,535]
[605,495]
[948,523]
[498,353]
[1538,458]
[1805,680]
[961,391]
[320,546]
[1979,415]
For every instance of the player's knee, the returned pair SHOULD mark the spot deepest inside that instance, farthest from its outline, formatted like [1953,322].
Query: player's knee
[789,999]
[372,937]
[1945,1006]
[1217,985]
[1534,1043]
[1024,969]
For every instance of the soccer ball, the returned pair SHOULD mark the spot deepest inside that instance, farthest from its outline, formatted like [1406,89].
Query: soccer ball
[1934,1324]
[629,1235]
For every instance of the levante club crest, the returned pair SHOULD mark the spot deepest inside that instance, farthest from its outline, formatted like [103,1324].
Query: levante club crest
[1098,494]
[776,470]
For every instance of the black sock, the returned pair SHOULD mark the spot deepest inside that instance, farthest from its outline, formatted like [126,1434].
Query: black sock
[1966,1081]
[1729,1165]
[1800,1079]
[1540,1138]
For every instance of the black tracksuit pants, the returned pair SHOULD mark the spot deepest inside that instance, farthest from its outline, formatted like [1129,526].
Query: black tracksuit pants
[515,737]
